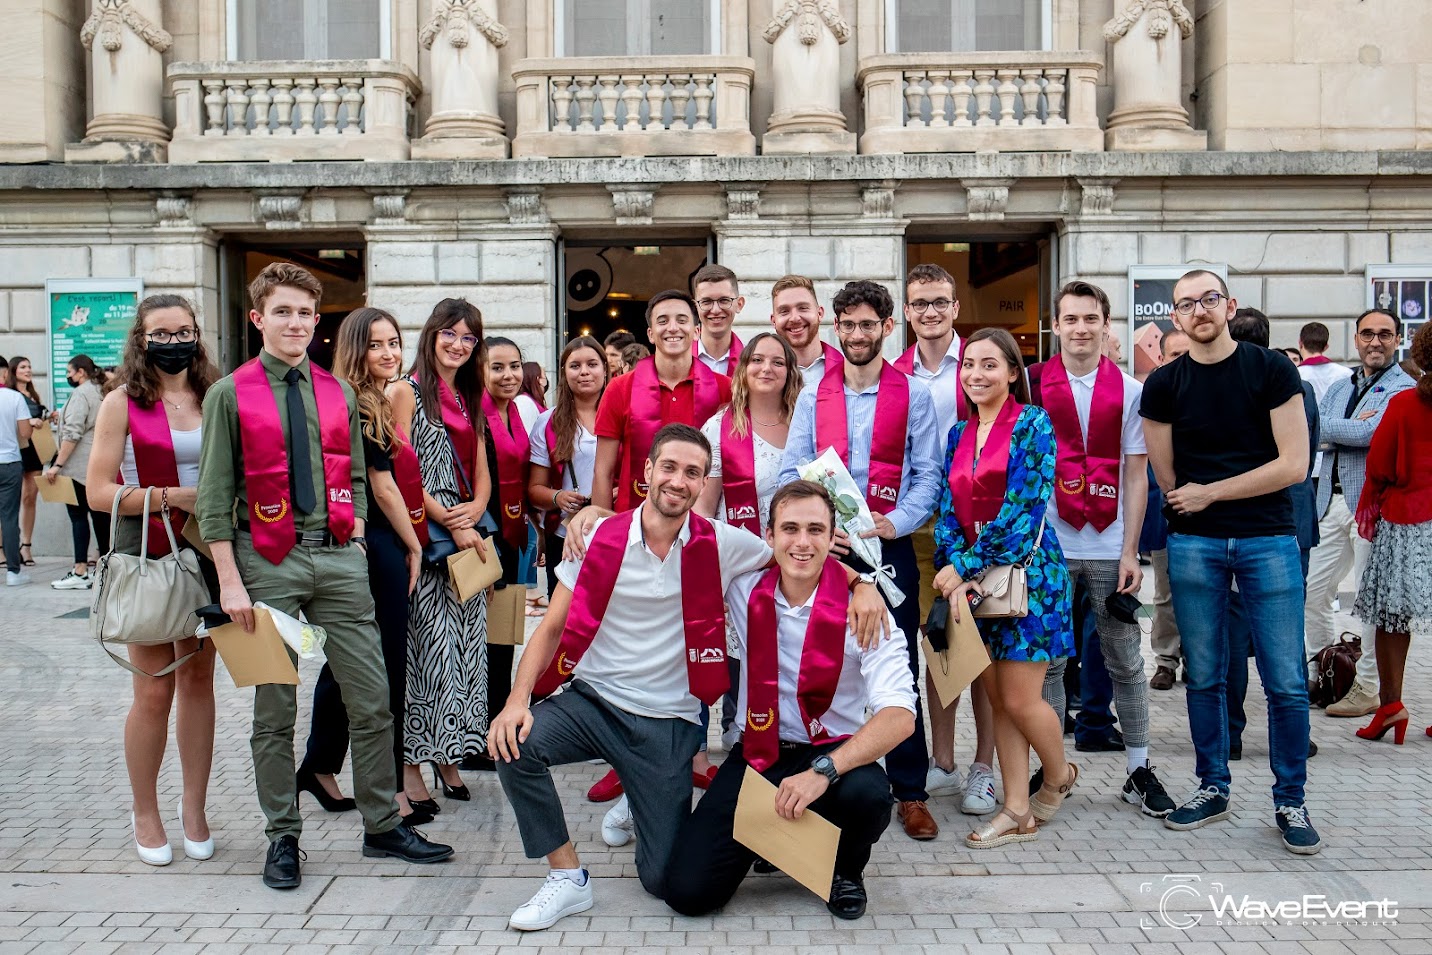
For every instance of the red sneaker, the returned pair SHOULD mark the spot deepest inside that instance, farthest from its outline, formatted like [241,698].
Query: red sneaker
[607,788]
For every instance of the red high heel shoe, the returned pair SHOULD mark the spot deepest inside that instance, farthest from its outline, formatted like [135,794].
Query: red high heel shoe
[1392,716]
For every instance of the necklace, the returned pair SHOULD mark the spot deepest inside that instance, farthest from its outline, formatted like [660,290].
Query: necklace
[766,424]
[176,405]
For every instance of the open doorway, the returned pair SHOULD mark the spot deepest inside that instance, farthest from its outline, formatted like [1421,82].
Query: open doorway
[608,284]
[338,264]
[1000,283]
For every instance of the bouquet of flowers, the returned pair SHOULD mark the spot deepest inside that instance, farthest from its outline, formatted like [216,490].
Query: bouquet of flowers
[853,516]
[302,637]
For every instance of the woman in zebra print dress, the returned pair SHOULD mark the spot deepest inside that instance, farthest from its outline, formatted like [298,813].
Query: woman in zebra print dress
[439,405]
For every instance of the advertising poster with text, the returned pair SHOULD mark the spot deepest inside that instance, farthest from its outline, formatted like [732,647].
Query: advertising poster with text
[88,317]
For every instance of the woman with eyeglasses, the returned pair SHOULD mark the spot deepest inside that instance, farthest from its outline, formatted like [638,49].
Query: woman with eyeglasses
[439,405]
[77,424]
[147,434]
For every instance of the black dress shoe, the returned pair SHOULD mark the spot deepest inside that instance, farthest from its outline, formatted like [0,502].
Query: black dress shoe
[1313,749]
[1110,742]
[1235,750]
[281,869]
[762,867]
[418,817]
[847,898]
[308,783]
[406,843]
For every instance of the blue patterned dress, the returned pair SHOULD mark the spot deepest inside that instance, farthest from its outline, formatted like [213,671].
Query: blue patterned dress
[1047,632]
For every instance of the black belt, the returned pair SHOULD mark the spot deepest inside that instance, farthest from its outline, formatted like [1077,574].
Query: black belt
[323,538]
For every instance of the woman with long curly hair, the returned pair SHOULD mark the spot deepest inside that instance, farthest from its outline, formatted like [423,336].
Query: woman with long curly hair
[22,379]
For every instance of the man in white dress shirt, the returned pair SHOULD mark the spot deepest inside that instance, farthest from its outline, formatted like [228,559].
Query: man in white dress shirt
[718,304]
[787,621]
[796,316]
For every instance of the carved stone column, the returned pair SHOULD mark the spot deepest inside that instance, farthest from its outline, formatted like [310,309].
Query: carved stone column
[805,38]
[126,45]
[464,37]
[1148,104]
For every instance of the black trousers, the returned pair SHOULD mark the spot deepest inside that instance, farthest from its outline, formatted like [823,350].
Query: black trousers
[908,762]
[708,864]
[388,581]
[552,545]
[81,517]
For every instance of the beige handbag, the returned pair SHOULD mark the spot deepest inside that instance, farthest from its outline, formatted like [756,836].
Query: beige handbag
[1006,588]
[146,600]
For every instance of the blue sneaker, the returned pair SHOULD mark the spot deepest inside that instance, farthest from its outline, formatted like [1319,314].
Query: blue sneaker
[1204,806]
[1298,833]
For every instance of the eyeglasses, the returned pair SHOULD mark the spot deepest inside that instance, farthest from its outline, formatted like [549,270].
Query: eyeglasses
[184,335]
[920,306]
[1367,335]
[1209,303]
[865,328]
[706,304]
[447,336]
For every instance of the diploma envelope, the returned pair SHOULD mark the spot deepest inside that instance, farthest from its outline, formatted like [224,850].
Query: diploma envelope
[963,659]
[471,574]
[61,492]
[43,440]
[803,848]
[507,615]
[196,540]
[257,658]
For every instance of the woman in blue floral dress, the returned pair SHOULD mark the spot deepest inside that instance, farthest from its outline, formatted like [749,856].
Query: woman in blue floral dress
[990,513]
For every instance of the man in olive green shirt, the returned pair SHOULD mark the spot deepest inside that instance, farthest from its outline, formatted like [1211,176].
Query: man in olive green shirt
[323,574]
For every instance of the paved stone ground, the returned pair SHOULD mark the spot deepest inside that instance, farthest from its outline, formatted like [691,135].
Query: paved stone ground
[69,879]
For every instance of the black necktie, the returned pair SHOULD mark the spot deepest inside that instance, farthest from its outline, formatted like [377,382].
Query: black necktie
[300,470]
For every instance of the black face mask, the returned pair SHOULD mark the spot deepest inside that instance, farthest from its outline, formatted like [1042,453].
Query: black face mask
[171,358]
[72,381]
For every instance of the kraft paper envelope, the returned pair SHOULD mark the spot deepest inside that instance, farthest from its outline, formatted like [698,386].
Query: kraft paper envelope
[964,659]
[43,438]
[803,848]
[61,492]
[507,616]
[195,539]
[255,658]
[471,574]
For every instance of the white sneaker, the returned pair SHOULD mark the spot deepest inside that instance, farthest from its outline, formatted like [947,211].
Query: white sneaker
[72,581]
[938,781]
[979,793]
[558,898]
[730,738]
[618,827]
[15,578]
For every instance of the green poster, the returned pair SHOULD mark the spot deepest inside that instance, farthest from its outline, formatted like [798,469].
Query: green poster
[88,317]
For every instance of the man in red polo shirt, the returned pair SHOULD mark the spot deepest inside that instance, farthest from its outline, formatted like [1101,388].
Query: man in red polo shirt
[670,387]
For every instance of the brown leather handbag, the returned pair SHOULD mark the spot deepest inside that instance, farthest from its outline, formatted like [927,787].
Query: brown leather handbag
[1332,670]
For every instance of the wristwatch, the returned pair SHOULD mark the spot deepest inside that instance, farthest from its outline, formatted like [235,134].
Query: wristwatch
[862,579]
[824,765]
[359,540]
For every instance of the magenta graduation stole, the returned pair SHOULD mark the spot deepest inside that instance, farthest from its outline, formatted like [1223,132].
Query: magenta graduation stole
[553,518]
[266,458]
[1316,360]
[1086,472]
[513,449]
[156,466]
[645,418]
[702,608]
[977,490]
[409,478]
[906,363]
[822,655]
[463,436]
[887,438]
[738,475]
[732,356]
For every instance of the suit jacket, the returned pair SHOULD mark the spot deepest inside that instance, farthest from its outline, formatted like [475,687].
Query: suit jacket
[1349,437]
[1305,520]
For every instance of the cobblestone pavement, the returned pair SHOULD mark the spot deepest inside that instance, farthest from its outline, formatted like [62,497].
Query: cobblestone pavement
[1091,883]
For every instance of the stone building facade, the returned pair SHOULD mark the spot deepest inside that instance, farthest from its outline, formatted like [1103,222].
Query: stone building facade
[557,161]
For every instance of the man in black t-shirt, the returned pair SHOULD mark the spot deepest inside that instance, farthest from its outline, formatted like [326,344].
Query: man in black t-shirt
[1227,436]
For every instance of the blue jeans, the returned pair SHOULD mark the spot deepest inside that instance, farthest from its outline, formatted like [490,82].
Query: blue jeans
[1201,572]
[1240,648]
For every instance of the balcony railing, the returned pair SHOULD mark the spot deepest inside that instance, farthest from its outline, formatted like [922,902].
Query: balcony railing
[634,106]
[970,102]
[284,110]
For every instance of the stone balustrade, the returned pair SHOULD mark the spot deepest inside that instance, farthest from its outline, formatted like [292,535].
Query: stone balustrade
[282,111]
[972,102]
[634,106]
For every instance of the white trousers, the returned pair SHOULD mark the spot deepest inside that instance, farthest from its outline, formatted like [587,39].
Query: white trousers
[1340,549]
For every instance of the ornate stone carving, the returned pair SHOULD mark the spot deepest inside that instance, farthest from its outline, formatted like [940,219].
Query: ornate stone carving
[986,199]
[390,208]
[454,17]
[805,38]
[743,201]
[107,22]
[877,199]
[1098,198]
[809,15]
[280,210]
[632,202]
[525,206]
[173,210]
[1163,14]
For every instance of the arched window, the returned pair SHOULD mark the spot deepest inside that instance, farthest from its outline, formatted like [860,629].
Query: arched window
[308,29]
[929,26]
[636,27]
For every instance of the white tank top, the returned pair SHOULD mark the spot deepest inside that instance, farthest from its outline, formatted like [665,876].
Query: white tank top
[186,454]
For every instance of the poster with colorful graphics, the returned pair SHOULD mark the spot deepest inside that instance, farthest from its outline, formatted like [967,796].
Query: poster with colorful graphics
[1151,311]
[1405,291]
[88,317]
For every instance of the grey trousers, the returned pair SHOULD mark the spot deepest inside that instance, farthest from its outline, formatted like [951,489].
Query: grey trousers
[1164,639]
[12,478]
[1121,643]
[652,756]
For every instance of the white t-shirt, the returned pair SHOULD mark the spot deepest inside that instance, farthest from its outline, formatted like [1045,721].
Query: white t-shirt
[13,409]
[637,660]
[1087,543]
[578,476]
[768,467]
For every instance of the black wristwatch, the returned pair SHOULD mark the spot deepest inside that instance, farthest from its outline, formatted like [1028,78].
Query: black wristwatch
[360,540]
[824,765]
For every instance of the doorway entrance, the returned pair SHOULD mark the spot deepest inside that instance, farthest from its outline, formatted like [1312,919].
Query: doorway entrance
[1000,283]
[608,283]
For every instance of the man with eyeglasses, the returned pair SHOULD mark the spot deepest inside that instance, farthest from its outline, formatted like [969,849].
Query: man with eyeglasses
[718,302]
[899,465]
[1227,436]
[1350,413]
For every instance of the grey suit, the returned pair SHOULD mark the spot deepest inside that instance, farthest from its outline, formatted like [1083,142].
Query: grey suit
[1345,440]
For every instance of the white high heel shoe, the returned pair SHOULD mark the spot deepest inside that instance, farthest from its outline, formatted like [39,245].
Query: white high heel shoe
[198,851]
[159,855]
